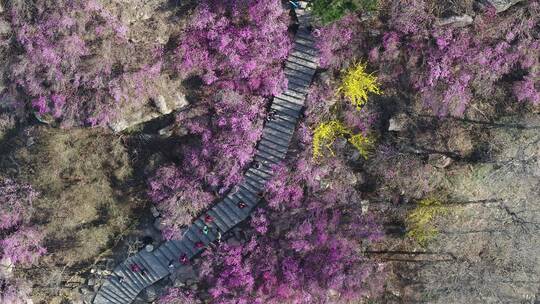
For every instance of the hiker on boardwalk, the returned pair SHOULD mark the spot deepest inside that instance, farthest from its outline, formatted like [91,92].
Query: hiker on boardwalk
[136,268]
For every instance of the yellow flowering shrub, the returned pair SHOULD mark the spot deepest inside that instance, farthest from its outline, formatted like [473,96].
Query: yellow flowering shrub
[327,132]
[364,144]
[420,221]
[357,84]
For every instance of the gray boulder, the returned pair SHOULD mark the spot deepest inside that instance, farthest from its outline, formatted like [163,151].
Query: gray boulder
[502,5]
[5,28]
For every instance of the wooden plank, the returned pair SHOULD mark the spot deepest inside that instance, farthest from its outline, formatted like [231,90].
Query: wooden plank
[293,110]
[299,82]
[126,283]
[227,203]
[255,178]
[294,85]
[263,156]
[254,185]
[269,150]
[284,123]
[111,296]
[289,72]
[234,218]
[305,34]
[165,253]
[294,58]
[284,116]
[305,42]
[219,222]
[278,127]
[185,248]
[309,71]
[149,273]
[304,56]
[274,146]
[291,101]
[275,139]
[174,247]
[306,49]
[118,290]
[199,234]
[278,133]
[129,275]
[286,111]
[255,175]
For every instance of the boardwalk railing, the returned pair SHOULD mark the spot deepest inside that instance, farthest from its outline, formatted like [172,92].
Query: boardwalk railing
[145,268]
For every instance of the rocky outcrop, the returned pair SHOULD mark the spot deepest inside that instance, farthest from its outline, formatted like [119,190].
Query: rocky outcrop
[170,99]
[458,21]
[148,24]
[502,5]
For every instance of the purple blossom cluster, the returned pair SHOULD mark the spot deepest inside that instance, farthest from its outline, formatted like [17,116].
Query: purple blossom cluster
[15,291]
[237,44]
[73,64]
[224,145]
[340,41]
[19,242]
[308,254]
[305,246]
[449,66]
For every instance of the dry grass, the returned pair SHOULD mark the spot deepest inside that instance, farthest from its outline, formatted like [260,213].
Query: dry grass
[83,205]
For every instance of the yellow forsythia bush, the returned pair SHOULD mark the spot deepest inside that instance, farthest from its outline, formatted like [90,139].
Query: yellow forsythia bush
[357,84]
[327,132]
[420,221]
[364,144]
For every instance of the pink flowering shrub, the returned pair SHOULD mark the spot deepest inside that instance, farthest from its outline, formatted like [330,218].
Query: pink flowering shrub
[13,291]
[23,246]
[15,204]
[340,41]
[19,242]
[528,89]
[237,44]
[213,163]
[305,244]
[178,296]
[308,254]
[76,63]
[450,66]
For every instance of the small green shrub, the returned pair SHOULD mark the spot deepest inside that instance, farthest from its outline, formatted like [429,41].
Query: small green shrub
[332,10]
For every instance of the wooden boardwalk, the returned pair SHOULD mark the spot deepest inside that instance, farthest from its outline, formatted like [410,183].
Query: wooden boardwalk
[145,268]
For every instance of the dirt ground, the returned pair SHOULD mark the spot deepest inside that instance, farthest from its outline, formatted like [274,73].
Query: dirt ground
[486,246]
[89,199]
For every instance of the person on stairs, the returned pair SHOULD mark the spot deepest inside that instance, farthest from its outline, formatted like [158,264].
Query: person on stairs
[136,268]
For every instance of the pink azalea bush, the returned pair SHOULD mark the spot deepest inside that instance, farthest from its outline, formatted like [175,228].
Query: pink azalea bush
[305,247]
[19,242]
[305,244]
[450,66]
[213,163]
[14,291]
[76,63]
[340,41]
[237,44]
[16,203]
[23,246]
